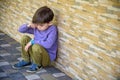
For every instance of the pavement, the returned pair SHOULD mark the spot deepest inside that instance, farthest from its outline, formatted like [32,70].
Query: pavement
[10,51]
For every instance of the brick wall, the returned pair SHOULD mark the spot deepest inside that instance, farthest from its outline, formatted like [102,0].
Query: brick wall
[89,34]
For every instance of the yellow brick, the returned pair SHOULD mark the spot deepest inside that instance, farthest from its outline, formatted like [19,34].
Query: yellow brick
[93,38]
[114,21]
[98,9]
[107,58]
[78,71]
[69,2]
[114,3]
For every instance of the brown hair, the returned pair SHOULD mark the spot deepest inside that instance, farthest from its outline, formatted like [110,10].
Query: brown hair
[43,15]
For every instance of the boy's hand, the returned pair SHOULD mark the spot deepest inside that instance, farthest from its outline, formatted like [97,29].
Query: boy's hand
[32,25]
[27,46]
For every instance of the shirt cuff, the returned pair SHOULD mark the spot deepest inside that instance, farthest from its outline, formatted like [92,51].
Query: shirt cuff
[32,41]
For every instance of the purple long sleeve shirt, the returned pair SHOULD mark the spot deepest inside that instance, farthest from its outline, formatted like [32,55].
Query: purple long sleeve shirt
[47,38]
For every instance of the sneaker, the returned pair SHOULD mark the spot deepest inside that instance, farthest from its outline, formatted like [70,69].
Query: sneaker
[21,64]
[34,68]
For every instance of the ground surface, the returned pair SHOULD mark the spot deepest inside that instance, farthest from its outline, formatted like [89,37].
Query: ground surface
[10,54]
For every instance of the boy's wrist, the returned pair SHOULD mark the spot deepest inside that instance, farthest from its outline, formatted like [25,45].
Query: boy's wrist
[32,41]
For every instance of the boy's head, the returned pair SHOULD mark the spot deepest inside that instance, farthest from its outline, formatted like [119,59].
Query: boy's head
[43,15]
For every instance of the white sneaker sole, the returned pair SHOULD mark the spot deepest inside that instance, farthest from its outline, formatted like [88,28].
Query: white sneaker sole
[16,67]
[34,71]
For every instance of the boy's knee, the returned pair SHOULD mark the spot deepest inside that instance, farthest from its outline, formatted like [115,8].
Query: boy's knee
[36,48]
[25,38]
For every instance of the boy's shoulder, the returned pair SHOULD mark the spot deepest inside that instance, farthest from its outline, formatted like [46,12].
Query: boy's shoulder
[53,27]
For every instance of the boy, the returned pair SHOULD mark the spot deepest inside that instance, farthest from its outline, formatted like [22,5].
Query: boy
[40,50]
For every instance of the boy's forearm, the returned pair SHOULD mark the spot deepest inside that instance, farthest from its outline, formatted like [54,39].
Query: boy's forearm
[26,28]
[23,28]
[29,44]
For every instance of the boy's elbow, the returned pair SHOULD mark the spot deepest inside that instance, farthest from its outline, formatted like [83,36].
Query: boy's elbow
[21,31]
[22,28]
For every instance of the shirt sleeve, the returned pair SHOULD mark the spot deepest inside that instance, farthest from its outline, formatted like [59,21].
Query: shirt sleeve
[51,38]
[24,29]
[32,41]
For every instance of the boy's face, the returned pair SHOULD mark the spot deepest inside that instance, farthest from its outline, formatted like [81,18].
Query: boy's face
[42,27]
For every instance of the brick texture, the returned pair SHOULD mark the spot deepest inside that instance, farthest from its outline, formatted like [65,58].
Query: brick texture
[89,34]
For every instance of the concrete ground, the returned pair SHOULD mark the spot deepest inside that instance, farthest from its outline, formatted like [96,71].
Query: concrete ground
[10,54]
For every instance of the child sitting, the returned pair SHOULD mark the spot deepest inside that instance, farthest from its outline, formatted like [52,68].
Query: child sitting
[40,50]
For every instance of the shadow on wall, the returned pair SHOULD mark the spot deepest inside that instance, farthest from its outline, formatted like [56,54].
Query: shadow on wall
[56,22]
[56,17]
